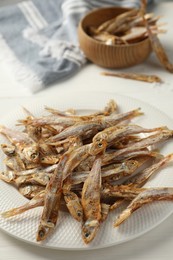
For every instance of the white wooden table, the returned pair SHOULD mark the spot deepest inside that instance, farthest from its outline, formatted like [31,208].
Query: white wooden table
[156,244]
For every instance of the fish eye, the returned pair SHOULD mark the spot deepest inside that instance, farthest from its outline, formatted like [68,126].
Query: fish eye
[79,214]
[100,144]
[34,155]
[41,233]
[87,234]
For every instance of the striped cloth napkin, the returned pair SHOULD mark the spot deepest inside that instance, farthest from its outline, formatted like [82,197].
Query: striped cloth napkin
[38,39]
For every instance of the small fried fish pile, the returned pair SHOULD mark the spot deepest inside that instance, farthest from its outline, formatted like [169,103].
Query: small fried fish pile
[87,165]
[127,28]
[131,27]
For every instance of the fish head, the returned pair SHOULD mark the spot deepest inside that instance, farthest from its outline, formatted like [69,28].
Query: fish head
[89,230]
[8,149]
[74,141]
[98,146]
[101,136]
[31,153]
[43,231]
[76,211]
[129,166]
[73,205]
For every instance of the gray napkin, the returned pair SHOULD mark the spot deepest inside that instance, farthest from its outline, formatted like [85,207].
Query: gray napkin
[38,39]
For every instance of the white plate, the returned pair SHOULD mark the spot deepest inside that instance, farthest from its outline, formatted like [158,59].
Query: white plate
[67,234]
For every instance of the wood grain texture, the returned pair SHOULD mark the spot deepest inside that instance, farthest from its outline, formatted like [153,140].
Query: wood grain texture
[109,56]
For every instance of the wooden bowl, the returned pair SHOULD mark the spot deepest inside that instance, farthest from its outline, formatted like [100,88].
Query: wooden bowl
[117,56]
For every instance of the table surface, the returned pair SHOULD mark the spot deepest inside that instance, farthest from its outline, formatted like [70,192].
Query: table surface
[156,244]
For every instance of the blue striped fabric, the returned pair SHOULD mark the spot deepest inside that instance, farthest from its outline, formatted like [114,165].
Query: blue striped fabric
[38,39]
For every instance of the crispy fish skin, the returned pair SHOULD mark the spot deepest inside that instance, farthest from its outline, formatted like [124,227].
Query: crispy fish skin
[158,48]
[84,130]
[73,204]
[80,154]
[27,148]
[159,137]
[89,128]
[36,201]
[53,194]
[126,168]
[52,199]
[145,197]
[110,108]
[30,190]
[135,76]
[140,179]
[112,172]
[91,202]
[104,211]
[112,24]
[15,137]
[112,157]
[112,134]
[121,191]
